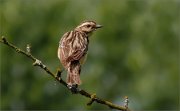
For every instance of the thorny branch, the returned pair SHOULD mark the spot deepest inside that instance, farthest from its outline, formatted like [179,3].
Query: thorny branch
[57,77]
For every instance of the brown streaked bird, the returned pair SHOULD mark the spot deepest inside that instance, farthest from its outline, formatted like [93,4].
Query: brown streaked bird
[73,48]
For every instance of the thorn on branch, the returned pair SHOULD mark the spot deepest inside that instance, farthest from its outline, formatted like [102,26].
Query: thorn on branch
[93,97]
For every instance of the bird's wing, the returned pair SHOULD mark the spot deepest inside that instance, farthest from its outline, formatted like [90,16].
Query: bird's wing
[64,48]
[76,55]
[79,46]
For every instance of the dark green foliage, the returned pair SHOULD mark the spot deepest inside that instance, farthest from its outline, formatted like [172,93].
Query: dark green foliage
[136,53]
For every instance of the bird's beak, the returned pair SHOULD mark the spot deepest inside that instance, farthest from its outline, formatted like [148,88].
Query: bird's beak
[98,26]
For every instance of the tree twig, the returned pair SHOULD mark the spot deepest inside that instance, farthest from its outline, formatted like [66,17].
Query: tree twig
[57,77]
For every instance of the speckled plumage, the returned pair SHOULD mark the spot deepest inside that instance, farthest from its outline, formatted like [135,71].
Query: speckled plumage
[73,48]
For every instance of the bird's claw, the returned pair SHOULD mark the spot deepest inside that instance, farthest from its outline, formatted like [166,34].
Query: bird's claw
[73,88]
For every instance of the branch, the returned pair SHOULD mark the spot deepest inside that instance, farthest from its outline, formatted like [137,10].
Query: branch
[57,77]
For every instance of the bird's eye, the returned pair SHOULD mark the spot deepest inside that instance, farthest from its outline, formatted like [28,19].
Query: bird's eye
[88,26]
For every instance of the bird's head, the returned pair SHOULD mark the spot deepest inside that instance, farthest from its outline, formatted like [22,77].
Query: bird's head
[88,27]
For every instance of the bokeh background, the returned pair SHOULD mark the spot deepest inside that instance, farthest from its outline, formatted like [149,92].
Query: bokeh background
[135,54]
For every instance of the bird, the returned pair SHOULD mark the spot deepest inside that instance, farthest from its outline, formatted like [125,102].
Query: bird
[73,48]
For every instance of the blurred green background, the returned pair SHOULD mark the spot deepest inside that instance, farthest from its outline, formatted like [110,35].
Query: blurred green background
[134,54]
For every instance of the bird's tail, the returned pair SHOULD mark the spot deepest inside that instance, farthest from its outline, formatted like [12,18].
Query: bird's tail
[73,73]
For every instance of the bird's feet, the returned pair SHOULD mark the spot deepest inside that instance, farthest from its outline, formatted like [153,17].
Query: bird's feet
[73,88]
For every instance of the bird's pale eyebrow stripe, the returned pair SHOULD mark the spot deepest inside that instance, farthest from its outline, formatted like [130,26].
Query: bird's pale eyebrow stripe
[86,23]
